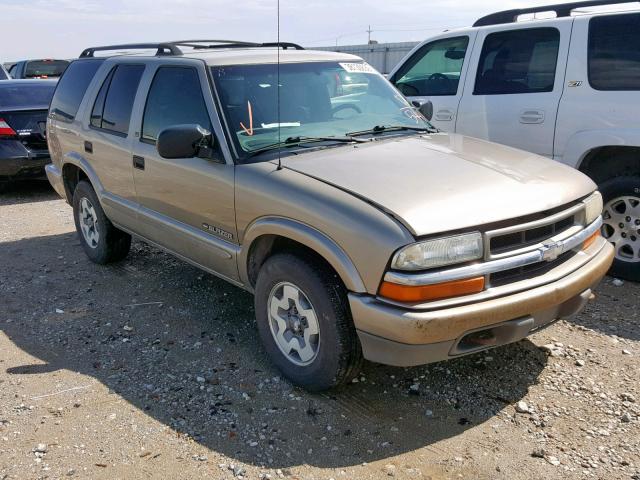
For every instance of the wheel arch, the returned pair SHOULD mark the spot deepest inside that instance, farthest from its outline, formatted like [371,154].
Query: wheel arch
[266,236]
[74,169]
[606,162]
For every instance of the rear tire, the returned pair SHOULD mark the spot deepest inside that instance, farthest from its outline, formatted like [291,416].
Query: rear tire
[621,216]
[298,296]
[101,240]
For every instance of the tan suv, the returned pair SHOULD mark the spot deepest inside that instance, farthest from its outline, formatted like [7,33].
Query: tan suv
[362,231]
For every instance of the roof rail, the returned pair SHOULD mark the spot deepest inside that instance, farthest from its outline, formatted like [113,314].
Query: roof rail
[173,48]
[210,44]
[561,10]
[165,48]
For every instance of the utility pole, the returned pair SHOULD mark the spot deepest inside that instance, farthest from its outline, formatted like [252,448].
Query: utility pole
[369,32]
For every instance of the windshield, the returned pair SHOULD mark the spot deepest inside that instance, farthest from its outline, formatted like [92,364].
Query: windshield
[321,99]
[45,68]
[28,95]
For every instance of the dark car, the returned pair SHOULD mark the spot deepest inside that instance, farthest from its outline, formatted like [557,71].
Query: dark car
[46,68]
[23,122]
[4,75]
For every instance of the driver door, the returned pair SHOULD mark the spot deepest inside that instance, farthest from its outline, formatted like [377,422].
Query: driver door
[435,72]
[186,204]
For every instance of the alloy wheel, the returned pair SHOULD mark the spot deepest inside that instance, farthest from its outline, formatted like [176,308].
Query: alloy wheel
[622,227]
[88,220]
[294,324]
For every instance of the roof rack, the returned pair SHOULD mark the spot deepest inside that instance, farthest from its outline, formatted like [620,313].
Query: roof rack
[211,44]
[161,48]
[173,48]
[561,10]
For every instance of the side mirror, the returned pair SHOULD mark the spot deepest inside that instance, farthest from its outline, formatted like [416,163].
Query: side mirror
[184,141]
[425,108]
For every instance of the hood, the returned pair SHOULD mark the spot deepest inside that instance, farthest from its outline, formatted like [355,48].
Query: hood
[442,182]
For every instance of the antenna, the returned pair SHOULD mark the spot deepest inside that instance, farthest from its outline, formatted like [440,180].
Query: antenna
[278,93]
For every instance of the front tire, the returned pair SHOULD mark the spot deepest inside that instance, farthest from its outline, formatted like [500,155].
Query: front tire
[101,240]
[621,196]
[305,324]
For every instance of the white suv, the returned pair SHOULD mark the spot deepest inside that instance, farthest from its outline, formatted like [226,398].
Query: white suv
[567,88]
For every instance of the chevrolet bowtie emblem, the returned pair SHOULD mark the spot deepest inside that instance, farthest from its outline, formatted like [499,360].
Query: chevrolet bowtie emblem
[551,251]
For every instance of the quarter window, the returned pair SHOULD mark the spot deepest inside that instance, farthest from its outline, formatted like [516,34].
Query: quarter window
[72,87]
[175,98]
[518,61]
[112,109]
[434,69]
[614,52]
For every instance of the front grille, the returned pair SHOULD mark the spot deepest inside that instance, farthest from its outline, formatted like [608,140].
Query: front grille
[525,238]
[505,277]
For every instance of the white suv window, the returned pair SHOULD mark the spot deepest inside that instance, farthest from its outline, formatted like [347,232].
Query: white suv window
[614,52]
[518,61]
[434,69]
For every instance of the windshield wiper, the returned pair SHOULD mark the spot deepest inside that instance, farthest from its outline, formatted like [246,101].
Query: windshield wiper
[297,141]
[391,128]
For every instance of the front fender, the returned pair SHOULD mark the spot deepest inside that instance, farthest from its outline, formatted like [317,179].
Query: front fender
[306,235]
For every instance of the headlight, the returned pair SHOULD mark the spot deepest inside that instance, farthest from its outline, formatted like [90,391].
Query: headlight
[592,208]
[439,252]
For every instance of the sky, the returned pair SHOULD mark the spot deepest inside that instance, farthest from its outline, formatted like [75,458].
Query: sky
[63,28]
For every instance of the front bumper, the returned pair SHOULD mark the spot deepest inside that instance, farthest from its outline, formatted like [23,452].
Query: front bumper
[399,336]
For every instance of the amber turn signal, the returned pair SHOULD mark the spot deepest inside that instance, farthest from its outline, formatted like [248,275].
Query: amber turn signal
[589,241]
[411,294]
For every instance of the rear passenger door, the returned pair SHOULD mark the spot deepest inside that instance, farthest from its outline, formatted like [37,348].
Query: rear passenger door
[513,91]
[435,72]
[107,141]
[186,204]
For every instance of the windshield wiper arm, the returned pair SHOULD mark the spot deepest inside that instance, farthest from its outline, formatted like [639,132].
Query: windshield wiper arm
[391,128]
[296,141]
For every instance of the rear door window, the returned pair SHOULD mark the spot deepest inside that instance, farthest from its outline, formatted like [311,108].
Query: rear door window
[434,69]
[614,52]
[175,98]
[112,109]
[518,61]
[72,87]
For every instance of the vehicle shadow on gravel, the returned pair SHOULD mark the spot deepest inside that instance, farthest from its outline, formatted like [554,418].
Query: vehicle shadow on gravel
[27,191]
[615,312]
[181,346]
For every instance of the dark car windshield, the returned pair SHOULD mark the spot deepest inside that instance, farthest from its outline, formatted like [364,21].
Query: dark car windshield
[45,68]
[27,95]
[317,99]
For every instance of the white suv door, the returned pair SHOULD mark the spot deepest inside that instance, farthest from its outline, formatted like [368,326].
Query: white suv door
[435,72]
[514,86]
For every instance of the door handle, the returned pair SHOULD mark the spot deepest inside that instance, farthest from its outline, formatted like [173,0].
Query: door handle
[532,116]
[138,162]
[88,147]
[444,115]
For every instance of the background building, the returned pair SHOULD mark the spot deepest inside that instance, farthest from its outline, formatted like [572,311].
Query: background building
[382,56]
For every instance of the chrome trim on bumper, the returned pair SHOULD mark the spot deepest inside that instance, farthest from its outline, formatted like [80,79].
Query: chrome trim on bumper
[547,252]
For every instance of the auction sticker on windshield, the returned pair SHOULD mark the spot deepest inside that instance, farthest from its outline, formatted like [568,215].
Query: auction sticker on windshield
[358,68]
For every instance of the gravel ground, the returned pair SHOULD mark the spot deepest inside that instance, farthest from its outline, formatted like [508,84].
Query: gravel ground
[152,369]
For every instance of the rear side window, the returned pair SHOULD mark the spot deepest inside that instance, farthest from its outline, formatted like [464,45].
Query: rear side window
[434,69]
[45,68]
[614,52]
[518,61]
[72,87]
[112,109]
[175,98]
